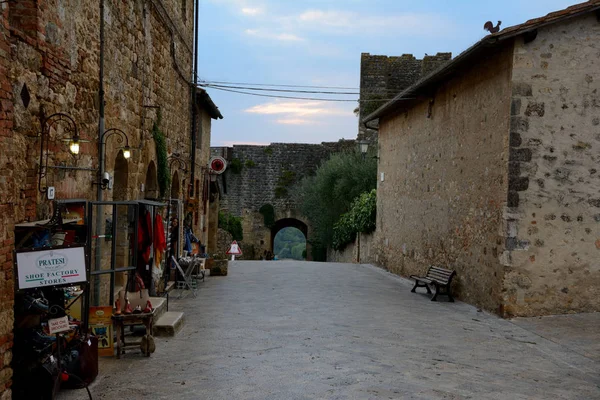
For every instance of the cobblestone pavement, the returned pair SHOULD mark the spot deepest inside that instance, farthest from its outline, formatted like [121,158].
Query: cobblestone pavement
[299,330]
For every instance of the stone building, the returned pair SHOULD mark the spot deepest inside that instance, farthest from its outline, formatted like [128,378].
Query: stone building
[382,77]
[490,167]
[50,55]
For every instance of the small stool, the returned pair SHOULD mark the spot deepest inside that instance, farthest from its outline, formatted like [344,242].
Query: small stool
[123,320]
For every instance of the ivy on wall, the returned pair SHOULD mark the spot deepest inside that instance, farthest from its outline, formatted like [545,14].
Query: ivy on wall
[268,212]
[285,181]
[236,166]
[163,175]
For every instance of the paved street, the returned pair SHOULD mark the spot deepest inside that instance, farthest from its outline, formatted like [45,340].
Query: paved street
[292,330]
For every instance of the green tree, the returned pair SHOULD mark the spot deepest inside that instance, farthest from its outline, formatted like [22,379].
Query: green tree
[289,243]
[231,224]
[324,197]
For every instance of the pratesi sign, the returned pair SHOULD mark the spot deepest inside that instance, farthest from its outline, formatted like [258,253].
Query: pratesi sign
[51,267]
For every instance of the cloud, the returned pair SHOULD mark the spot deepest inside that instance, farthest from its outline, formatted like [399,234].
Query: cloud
[299,112]
[251,11]
[346,22]
[282,37]
[296,108]
[296,121]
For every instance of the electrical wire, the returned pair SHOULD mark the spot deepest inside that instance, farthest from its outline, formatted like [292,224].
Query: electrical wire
[273,85]
[281,97]
[300,98]
[276,90]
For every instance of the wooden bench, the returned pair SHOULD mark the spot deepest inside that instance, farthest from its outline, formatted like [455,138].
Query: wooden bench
[440,278]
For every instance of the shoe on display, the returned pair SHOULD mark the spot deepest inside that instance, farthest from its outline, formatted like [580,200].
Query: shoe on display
[128,309]
[137,309]
[118,307]
[148,308]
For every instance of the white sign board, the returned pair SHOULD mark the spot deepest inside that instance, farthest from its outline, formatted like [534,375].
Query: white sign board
[56,325]
[51,267]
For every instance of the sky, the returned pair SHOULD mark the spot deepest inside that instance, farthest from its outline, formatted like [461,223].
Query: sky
[319,43]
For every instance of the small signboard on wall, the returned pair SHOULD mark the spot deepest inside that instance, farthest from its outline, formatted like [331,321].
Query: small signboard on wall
[56,267]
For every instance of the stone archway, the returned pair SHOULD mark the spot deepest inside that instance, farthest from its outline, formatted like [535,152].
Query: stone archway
[289,223]
[151,190]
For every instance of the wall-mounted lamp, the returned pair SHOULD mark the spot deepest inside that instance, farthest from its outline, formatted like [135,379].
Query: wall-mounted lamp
[104,177]
[120,137]
[363,146]
[72,138]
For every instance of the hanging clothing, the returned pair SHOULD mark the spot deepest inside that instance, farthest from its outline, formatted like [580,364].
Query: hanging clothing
[160,242]
[145,236]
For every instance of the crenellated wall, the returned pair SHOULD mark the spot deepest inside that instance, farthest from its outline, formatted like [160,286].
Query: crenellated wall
[383,77]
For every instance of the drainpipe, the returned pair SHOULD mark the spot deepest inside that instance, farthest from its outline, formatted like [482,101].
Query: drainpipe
[99,210]
[193,102]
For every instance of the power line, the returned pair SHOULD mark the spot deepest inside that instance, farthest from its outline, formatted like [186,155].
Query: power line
[364,92]
[294,97]
[273,85]
[276,90]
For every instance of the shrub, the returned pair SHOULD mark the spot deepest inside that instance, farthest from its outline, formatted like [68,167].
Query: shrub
[361,218]
[236,166]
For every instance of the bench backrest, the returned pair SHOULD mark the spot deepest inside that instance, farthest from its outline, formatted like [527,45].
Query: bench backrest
[439,274]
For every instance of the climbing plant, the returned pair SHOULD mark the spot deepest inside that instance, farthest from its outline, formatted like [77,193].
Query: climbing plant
[163,175]
[250,163]
[268,213]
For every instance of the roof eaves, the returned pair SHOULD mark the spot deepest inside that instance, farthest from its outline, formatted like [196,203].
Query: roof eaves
[203,98]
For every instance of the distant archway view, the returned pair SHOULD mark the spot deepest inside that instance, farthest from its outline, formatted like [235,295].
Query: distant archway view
[289,243]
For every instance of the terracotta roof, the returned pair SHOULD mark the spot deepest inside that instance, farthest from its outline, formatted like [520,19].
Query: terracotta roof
[487,42]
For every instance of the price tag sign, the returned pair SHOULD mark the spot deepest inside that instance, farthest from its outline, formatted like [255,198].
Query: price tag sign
[57,325]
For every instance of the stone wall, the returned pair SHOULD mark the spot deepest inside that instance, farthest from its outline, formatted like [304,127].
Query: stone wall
[49,59]
[12,177]
[553,220]
[442,180]
[383,77]
[267,175]
[361,251]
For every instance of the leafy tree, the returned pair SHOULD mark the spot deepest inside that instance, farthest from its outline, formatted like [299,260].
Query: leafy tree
[231,224]
[324,197]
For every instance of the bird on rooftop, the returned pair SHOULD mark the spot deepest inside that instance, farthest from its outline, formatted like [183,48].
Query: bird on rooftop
[488,26]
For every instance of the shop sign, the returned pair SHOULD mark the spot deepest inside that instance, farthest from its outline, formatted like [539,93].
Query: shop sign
[51,267]
[56,325]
